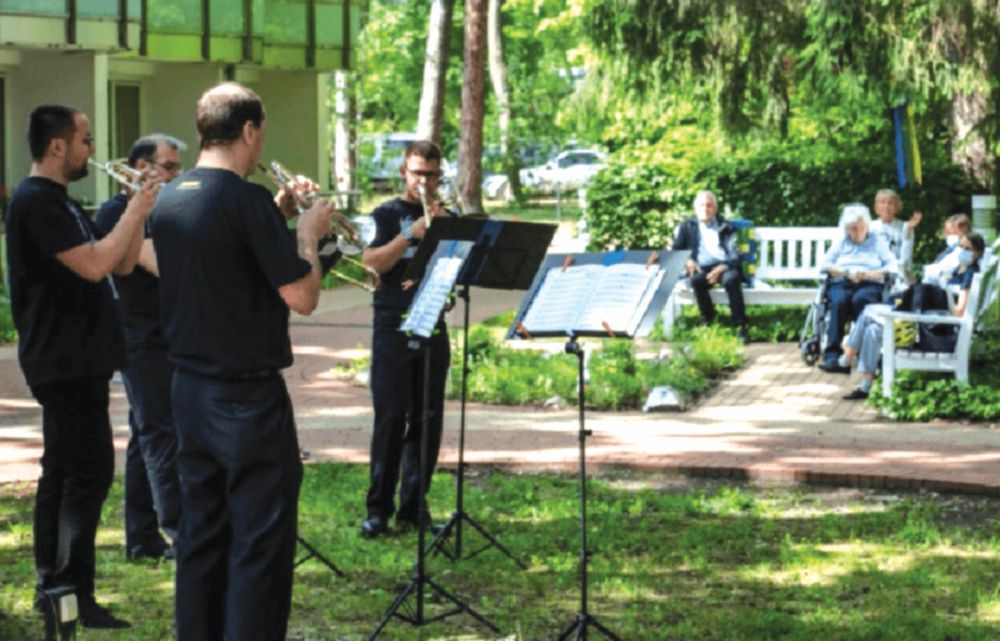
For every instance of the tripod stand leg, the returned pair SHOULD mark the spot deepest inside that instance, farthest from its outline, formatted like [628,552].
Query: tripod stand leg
[463,606]
[603,630]
[493,541]
[391,612]
[576,626]
[313,553]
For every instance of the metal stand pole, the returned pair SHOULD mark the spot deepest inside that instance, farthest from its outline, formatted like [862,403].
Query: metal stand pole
[420,580]
[459,516]
[584,620]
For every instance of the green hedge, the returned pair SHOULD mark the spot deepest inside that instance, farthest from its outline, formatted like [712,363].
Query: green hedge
[640,197]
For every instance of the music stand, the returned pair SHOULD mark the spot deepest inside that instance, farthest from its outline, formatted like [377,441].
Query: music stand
[642,290]
[421,319]
[504,255]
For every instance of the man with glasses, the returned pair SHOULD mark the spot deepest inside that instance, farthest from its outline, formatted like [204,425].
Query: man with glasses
[152,488]
[69,343]
[397,372]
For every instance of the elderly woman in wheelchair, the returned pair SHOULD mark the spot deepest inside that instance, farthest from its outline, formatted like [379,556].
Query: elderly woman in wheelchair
[865,340]
[857,266]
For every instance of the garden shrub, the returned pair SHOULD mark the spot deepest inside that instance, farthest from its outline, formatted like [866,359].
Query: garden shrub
[640,197]
[765,323]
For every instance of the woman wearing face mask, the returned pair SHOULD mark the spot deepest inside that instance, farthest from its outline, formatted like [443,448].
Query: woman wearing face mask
[938,271]
[898,235]
[866,342]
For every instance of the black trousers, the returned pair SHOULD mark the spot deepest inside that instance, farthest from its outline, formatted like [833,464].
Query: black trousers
[78,466]
[152,487]
[238,458]
[397,383]
[732,282]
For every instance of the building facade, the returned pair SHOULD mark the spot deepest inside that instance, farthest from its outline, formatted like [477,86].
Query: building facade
[138,66]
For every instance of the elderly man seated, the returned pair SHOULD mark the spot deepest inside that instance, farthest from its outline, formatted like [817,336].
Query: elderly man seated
[714,259]
[857,265]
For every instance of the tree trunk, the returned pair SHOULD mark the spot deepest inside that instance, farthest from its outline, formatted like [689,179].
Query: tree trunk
[345,159]
[501,87]
[470,148]
[969,148]
[435,71]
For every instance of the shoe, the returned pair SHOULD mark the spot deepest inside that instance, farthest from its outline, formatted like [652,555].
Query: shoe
[373,527]
[97,617]
[833,367]
[742,334]
[857,394]
[407,524]
[153,552]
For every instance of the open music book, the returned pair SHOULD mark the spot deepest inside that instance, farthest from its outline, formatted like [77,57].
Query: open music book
[593,298]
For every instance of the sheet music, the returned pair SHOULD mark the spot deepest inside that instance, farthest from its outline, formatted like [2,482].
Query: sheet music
[435,287]
[585,297]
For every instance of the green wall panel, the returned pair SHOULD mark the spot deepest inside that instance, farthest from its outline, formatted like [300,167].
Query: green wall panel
[40,7]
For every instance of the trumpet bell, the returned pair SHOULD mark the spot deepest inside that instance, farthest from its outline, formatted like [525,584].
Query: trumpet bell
[364,228]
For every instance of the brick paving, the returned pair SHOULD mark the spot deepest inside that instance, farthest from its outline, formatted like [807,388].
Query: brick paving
[776,420]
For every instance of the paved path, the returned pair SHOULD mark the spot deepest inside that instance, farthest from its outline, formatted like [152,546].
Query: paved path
[775,420]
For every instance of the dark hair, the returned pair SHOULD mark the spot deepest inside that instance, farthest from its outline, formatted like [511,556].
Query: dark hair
[48,122]
[222,112]
[424,149]
[977,242]
[145,147]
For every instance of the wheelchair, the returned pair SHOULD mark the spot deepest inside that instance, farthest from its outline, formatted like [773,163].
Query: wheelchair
[813,337]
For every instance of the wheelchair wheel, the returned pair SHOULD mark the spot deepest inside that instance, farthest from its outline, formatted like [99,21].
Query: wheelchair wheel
[809,349]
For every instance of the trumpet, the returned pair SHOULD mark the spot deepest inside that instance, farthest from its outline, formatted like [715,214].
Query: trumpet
[352,237]
[120,171]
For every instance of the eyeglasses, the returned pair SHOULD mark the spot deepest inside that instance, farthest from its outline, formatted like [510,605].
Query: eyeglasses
[170,166]
[430,173]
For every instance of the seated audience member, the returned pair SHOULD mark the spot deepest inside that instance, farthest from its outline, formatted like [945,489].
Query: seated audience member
[865,341]
[946,262]
[896,234]
[857,265]
[715,258]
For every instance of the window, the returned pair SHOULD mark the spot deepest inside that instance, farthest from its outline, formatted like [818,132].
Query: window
[124,115]
[41,7]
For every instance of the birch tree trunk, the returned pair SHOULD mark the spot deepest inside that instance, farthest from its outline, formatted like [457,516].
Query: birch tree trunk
[969,147]
[470,147]
[501,88]
[435,70]
[344,142]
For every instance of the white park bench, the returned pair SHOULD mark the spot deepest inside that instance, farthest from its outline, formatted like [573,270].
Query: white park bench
[791,255]
[982,296]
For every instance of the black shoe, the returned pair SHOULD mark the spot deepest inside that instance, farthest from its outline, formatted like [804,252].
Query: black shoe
[373,527]
[856,394]
[833,367]
[405,524]
[96,616]
[153,552]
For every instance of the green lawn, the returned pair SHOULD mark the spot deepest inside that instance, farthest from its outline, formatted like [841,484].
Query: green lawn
[673,559]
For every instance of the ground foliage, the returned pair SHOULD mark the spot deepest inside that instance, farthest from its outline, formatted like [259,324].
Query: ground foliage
[616,378]
[676,558]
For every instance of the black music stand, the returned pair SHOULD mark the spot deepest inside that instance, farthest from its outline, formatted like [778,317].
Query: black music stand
[672,264]
[428,305]
[504,255]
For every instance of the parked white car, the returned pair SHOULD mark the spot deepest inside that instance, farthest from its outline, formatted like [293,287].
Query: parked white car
[570,169]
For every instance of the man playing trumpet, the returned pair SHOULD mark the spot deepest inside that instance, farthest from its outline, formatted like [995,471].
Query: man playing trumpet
[152,488]
[397,371]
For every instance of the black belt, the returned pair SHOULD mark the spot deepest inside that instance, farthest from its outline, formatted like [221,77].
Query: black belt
[252,375]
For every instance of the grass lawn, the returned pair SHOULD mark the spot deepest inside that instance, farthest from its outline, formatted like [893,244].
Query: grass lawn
[674,558]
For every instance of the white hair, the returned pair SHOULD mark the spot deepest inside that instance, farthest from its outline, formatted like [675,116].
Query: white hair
[855,213]
[705,193]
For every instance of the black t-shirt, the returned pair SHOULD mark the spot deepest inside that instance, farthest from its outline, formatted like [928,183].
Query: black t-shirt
[390,217]
[138,293]
[67,325]
[223,250]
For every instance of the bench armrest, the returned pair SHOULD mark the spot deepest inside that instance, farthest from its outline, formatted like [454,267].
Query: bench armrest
[924,318]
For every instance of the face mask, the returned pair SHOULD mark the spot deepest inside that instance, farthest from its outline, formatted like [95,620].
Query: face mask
[965,257]
[951,239]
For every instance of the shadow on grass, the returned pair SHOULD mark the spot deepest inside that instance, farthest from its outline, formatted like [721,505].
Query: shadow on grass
[691,561]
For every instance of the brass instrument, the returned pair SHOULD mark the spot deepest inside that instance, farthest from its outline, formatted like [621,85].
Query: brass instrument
[120,171]
[352,237]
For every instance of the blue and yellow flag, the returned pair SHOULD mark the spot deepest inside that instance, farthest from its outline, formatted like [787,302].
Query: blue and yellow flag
[907,153]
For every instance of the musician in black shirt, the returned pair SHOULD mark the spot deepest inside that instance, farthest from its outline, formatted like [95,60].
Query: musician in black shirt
[152,488]
[70,342]
[397,372]
[229,273]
